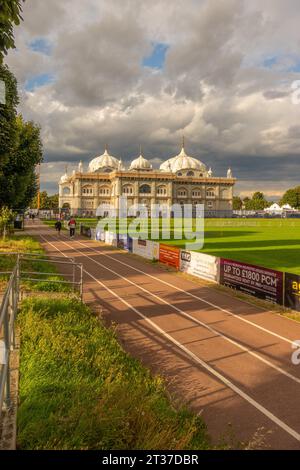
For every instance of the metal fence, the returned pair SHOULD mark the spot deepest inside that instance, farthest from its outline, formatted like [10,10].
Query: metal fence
[9,305]
[8,311]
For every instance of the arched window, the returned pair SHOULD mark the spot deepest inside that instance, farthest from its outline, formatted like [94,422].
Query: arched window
[127,189]
[161,190]
[196,192]
[104,191]
[210,192]
[87,190]
[145,189]
[190,173]
[182,192]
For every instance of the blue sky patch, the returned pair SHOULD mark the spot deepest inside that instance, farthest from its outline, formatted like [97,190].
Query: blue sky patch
[156,59]
[269,62]
[41,45]
[38,81]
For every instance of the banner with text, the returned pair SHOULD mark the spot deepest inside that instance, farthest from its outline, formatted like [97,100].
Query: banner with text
[200,265]
[145,248]
[263,283]
[292,291]
[169,255]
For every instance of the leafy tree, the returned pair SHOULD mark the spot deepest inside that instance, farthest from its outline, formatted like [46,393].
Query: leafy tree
[19,171]
[237,203]
[10,15]
[291,197]
[54,201]
[8,127]
[246,202]
[257,202]
[46,202]
[6,217]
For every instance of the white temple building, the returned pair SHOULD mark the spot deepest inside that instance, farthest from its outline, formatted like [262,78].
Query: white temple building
[181,179]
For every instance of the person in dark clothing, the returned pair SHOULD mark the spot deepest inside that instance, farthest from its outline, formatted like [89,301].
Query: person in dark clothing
[58,226]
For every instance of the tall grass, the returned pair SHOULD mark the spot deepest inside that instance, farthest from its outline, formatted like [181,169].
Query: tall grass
[80,390]
[27,244]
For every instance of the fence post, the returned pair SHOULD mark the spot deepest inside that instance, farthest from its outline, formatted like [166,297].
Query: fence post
[74,276]
[7,400]
[81,282]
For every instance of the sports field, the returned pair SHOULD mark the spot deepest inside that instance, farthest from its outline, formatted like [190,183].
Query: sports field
[273,243]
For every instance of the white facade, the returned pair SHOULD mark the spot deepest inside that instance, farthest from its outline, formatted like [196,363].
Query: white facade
[180,179]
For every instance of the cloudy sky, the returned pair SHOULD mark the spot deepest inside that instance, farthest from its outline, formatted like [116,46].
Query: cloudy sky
[131,72]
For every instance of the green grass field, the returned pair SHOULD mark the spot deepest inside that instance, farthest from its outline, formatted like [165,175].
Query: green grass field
[273,243]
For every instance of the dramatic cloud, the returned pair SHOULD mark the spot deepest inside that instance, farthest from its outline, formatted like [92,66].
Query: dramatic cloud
[126,72]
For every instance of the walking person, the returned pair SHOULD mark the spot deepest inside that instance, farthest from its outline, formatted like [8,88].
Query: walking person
[58,226]
[72,227]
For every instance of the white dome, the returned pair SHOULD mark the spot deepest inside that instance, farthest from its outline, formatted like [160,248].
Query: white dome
[140,163]
[104,161]
[64,178]
[182,162]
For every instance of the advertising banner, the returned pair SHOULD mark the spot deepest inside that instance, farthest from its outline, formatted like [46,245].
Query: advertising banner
[100,234]
[145,248]
[169,255]
[85,231]
[263,283]
[292,291]
[123,241]
[93,233]
[200,265]
[110,238]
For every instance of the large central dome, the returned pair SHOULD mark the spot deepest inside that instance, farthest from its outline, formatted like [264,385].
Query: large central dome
[104,162]
[182,161]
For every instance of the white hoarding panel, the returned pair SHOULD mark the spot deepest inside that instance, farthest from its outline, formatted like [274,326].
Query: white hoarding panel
[145,248]
[199,264]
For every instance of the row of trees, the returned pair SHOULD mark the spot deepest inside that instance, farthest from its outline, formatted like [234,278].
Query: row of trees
[46,202]
[20,141]
[258,200]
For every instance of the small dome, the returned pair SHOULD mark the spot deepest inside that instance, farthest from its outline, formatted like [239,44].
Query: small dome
[182,162]
[140,163]
[64,178]
[103,161]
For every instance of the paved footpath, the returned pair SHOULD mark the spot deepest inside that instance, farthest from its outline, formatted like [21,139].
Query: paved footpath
[230,360]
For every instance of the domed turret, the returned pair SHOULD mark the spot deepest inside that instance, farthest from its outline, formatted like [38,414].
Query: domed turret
[140,163]
[182,161]
[65,177]
[105,162]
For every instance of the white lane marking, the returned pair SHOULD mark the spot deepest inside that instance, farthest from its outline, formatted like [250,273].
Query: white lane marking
[190,317]
[206,366]
[235,315]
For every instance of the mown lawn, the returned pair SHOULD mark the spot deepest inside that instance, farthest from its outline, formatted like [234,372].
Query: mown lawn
[273,243]
[80,390]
